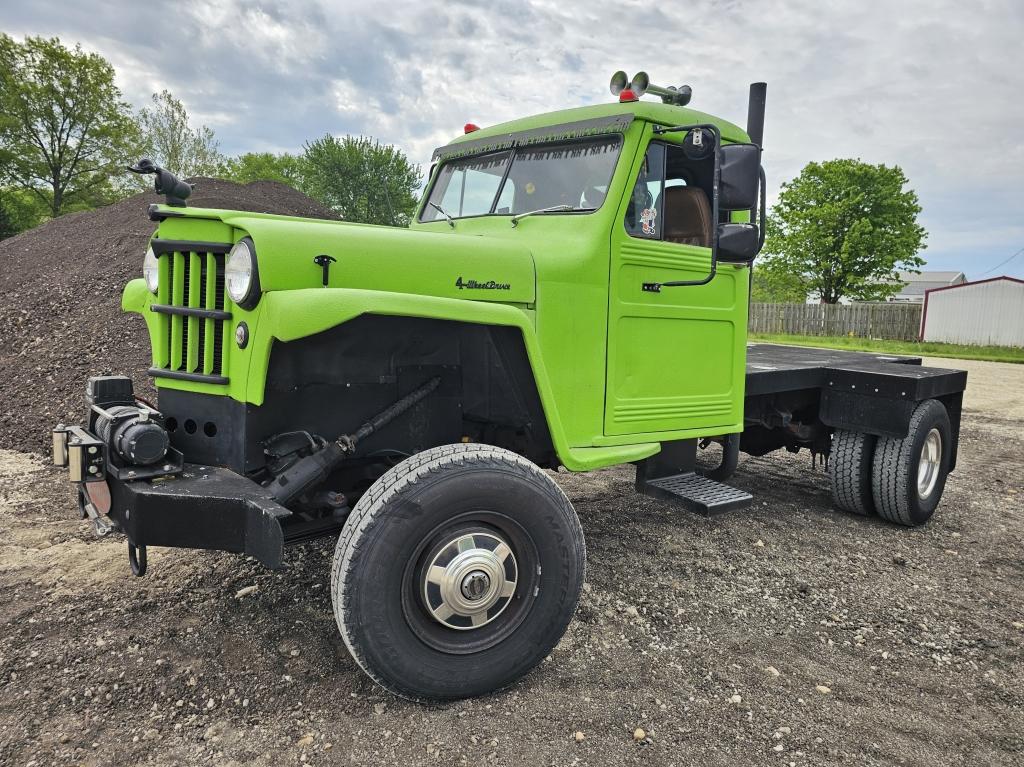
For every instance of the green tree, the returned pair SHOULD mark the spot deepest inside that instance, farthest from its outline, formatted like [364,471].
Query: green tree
[841,229]
[64,128]
[361,179]
[7,227]
[265,166]
[772,287]
[169,140]
[22,209]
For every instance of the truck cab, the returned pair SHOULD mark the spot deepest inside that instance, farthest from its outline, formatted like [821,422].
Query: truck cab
[621,201]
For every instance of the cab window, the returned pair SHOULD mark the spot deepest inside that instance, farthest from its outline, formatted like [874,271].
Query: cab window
[570,176]
[643,216]
[670,199]
[467,187]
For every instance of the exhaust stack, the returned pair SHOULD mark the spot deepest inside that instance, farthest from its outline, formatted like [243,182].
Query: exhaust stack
[755,113]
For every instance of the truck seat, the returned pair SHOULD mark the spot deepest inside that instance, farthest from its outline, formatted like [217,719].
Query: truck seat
[687,216]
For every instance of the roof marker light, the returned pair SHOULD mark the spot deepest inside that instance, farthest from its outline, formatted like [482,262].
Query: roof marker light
[470,127]
[627,94]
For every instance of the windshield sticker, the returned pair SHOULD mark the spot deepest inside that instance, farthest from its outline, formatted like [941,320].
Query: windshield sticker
[647,216]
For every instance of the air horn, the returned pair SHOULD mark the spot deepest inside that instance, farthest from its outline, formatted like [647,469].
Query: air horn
[641,84]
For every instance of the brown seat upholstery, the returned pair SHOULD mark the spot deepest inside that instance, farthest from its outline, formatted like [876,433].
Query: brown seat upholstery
[687,216]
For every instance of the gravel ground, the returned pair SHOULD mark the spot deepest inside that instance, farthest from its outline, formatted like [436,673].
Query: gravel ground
[787,634]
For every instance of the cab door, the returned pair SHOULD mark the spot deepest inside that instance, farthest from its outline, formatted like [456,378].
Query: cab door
[675,358]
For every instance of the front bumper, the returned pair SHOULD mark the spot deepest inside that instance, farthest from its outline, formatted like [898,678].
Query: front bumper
[181,505]
[203,508]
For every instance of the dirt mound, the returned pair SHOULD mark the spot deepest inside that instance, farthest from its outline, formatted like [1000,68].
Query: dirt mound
[60,303]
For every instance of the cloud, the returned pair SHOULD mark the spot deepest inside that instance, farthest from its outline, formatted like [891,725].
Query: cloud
[930,86]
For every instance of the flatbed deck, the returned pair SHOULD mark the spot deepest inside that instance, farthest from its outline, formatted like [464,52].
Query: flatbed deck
[773,368]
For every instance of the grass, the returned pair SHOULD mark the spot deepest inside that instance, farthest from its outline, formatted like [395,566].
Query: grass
[921,349]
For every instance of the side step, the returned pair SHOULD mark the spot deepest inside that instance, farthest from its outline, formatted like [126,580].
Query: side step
[699,494]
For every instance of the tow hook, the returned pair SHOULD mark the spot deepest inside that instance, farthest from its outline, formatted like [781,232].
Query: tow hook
[102,525]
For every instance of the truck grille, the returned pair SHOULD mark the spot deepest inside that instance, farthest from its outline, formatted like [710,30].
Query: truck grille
[191,339]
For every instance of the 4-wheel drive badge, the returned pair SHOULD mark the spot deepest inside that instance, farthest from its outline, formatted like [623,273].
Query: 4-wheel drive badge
[462,284]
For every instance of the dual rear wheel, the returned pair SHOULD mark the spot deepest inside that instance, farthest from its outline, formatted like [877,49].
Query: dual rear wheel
[901,480]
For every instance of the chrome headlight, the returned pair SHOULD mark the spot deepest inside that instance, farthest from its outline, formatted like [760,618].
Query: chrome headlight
[151,270]
[241,275]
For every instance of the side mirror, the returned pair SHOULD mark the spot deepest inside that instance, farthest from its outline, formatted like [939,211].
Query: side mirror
[165,183]
[737,243]
[739,166]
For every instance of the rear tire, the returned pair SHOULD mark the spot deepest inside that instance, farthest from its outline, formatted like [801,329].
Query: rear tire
[909,474]
[849,468]
[457,572]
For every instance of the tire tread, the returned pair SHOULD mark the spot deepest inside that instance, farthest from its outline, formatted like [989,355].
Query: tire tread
[850,471]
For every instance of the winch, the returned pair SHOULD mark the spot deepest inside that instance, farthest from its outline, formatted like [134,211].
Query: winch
[133,433]
[122,436]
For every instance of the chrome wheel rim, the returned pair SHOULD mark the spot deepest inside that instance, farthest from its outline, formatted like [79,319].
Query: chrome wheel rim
[470,580]
[929,463]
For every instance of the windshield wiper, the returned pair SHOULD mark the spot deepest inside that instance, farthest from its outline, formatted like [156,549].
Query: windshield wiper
[552,209]
[443,212]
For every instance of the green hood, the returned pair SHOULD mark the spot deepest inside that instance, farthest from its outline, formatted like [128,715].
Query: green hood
[423,262]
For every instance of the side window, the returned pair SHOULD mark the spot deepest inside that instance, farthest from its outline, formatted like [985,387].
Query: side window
[669,199]
[644,215]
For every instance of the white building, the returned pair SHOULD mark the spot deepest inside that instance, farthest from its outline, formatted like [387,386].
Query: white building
[986,313]
[916,284]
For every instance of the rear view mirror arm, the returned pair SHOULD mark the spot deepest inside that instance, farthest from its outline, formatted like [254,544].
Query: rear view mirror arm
[762,218]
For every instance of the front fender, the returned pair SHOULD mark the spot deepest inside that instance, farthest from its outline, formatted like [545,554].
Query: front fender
[294,314]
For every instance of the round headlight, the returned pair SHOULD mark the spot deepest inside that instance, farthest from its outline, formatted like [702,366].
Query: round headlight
[151,270]
[241,275]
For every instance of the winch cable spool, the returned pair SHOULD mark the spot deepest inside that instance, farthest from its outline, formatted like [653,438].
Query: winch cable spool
[307,473]
[132,433]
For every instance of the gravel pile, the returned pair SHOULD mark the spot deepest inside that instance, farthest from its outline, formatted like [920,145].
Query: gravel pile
[60,303]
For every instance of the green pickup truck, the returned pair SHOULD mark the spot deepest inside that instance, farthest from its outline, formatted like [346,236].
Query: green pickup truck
[572,293]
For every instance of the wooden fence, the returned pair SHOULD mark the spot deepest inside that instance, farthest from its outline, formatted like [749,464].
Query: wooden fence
[896,321]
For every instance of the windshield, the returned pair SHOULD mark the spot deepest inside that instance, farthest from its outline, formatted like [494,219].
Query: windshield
[529,178]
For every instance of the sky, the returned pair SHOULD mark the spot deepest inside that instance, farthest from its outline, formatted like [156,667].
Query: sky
[936,87]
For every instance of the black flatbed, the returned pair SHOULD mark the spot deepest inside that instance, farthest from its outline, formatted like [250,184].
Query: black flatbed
[773,368]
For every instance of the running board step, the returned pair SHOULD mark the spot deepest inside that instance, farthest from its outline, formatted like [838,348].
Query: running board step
[699,494]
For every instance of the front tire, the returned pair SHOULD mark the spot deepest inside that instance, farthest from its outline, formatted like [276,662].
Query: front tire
[908,475]
[457,572]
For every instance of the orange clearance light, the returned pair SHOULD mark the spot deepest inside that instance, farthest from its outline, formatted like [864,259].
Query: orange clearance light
[470,127]
[627,94]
